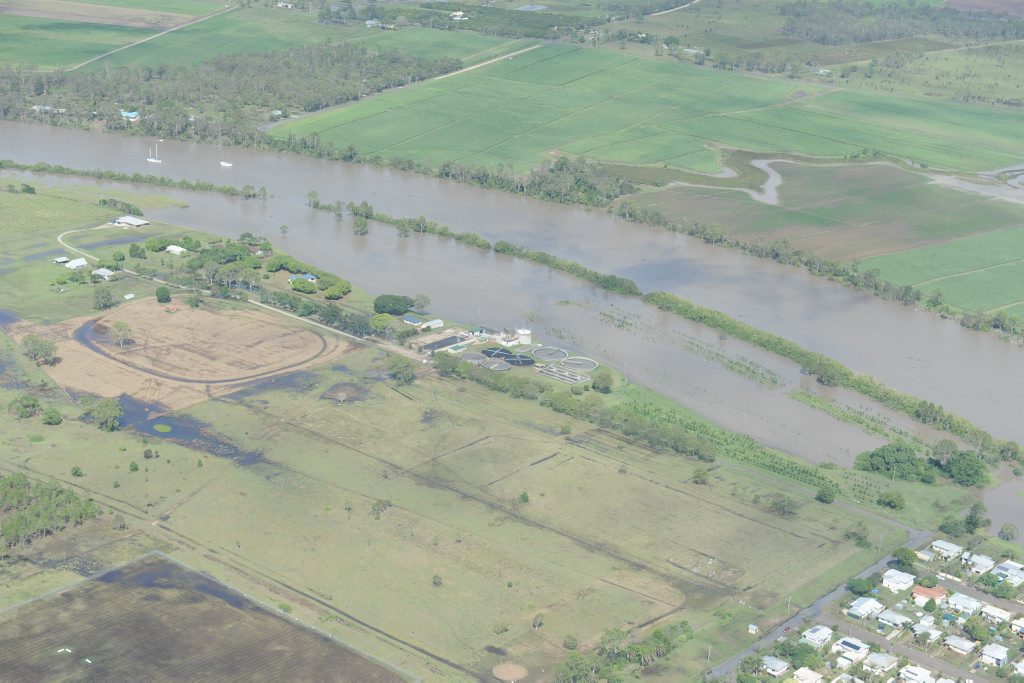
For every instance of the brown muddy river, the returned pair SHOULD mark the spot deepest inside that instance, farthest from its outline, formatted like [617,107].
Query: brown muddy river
[972,374]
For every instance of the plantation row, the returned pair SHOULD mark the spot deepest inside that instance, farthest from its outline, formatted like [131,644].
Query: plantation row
[737,446]
[833,373]
[871,423]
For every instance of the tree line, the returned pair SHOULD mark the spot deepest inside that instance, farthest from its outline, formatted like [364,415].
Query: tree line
[841,22]
[227,97]
[32,509]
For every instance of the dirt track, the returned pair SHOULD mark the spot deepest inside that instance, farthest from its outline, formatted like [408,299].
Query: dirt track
[181,357]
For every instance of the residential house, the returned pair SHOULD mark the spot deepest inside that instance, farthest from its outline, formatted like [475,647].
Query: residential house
[947,550]
[805,675]
[816,636]
[862,608]
[897,581]
[995,615]
[411,320]
[927,631]
[880,662]
[978,564]
[61,260]
[131,116]
[851,650]
[308,277]
[1011,572]
[773,666]
[894,619]
[1018,668]
[752,629]
[130,222]
[916,674]
[922,595]
[846,678]
[925,555]
[77,263]
[963,604]
[1017,626]
[176,250]
[995,654]
[434,324]
[960,645]
[103,273]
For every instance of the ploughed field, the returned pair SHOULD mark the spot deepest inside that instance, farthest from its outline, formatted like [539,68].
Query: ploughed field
[609,106]
[156,620]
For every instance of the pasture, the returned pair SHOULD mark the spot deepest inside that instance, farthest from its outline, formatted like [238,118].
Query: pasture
[841,211]
[451,460]
[979,273]
[157,620]
[608,106]
[256,29]
[51,43]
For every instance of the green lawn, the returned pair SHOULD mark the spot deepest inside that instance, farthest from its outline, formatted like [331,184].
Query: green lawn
[53,43]
[610,106]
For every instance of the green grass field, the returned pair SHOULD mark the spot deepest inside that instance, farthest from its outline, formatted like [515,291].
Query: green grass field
[845,212]
[608,106]
[52,43]
[29,237]
[257,29]
[980,273]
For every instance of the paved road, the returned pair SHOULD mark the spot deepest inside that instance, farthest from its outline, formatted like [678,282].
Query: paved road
[727,669]
[914,655]
[1010,606]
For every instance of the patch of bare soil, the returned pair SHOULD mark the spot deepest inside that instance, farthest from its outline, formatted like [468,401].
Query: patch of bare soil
[65,10]
[177,358]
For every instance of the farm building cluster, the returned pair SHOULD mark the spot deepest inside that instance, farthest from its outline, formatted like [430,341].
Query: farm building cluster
[933,610]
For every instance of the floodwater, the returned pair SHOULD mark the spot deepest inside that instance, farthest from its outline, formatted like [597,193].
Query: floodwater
[972,374]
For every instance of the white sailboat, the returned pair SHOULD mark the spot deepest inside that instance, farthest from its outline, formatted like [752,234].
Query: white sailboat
[220,145]
[155,157]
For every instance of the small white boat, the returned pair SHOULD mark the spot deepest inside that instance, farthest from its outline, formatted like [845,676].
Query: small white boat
[226,164]
[155,158]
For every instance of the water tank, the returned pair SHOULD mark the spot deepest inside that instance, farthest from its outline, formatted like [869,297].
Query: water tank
[524,336]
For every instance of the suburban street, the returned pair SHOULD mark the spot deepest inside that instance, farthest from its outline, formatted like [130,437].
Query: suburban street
[727,669]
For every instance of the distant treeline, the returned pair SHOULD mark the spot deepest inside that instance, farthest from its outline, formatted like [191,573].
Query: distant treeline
[247,192]
[31,509]
[490,20]
[227,97]
[841,22]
